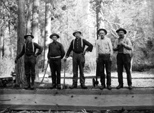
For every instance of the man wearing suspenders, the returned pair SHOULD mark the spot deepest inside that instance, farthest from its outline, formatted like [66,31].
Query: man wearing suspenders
[29,52]
[78,46]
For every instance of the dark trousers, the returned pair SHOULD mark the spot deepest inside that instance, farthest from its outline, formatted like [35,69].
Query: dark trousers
[55,66]
[124,60]
[104,62]
[78,61]
[30,62]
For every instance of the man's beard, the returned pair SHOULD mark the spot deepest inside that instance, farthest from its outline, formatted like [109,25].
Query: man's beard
[121,36]
[102,37]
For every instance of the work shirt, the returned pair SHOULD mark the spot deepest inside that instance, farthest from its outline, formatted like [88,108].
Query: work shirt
[56,49]
[78,46]
[120,48]
[29,49]
[104,46]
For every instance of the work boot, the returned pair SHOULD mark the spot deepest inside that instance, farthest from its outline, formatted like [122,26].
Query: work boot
[28,82]
[73,86]
[130,87]
[83,86]
[32,85]
[119,86]
[102,87]
[58,86]
[53,86]
[28,87]
[109,87]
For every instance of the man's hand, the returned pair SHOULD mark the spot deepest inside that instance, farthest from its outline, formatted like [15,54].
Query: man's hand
[65,59]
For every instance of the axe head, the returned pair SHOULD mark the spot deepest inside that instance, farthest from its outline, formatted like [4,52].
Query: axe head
[95,82]
[64,87]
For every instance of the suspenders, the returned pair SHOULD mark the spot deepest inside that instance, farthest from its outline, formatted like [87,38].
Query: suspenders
[32,46]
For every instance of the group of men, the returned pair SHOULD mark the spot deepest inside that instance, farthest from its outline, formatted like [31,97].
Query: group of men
[79,46]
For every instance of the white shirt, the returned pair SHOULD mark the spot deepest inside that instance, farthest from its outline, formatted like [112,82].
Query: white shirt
[104,46]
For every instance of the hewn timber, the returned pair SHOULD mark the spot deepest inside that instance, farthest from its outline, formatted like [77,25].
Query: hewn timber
[139,98]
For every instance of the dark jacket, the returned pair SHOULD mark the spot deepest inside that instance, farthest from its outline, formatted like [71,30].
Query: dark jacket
[56,49]
[78,46]
[30,49]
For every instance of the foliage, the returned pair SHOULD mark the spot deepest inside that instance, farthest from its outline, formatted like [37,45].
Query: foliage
[66,16]
[6,66]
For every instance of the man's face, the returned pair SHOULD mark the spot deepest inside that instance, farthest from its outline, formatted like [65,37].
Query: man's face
[102,33]
[54,38]
[77,35]
[29,39]
[121,33]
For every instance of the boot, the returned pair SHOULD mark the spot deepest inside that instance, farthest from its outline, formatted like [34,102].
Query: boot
[58,86]
[119,86]
[102,87]
[33,81]
[83,86]
[109,87]
[73,86]
[130,87]
[28,82]
[53,86]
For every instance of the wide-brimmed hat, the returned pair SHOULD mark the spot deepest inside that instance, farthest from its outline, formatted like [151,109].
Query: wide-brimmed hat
[54,34]
[76,32]
[28,35]
[102,30]
[121,29]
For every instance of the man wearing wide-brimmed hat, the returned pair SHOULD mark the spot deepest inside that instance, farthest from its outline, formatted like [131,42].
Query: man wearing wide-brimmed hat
[77,46]
[104,53]
[123,46]
[29,52]
[55,54]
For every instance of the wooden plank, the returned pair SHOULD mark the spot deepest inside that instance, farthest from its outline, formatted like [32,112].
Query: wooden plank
[79,91]
[91,77]
[77,102]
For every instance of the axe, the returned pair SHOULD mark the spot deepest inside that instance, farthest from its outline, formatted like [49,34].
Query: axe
[95,80]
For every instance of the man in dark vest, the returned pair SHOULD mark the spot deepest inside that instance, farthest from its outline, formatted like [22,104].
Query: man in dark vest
[104,53]
[77,46]
[55,54]
[123,46]
[29,52]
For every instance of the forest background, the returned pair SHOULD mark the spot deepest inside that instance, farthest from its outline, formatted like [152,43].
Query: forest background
[44,17]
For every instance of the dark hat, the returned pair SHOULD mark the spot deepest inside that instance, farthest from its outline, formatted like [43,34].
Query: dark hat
[54,34]
[28,35]
[121,29]
[102,30]
[76,32]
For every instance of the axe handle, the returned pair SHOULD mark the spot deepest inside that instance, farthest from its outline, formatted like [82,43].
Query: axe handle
[64,72]
[44,73]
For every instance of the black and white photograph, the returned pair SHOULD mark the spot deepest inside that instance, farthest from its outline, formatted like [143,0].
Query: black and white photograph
[76,56]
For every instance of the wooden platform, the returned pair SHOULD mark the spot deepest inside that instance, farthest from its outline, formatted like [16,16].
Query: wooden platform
[77,99]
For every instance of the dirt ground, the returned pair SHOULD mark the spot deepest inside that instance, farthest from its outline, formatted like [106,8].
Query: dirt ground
[139,79]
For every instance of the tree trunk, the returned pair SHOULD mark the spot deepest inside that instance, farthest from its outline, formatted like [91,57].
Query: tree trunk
[98,6]
[35,28]
[47,40]
[29,15]
[21,32]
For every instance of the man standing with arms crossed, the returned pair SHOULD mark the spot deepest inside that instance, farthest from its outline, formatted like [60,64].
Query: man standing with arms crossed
[123,46]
